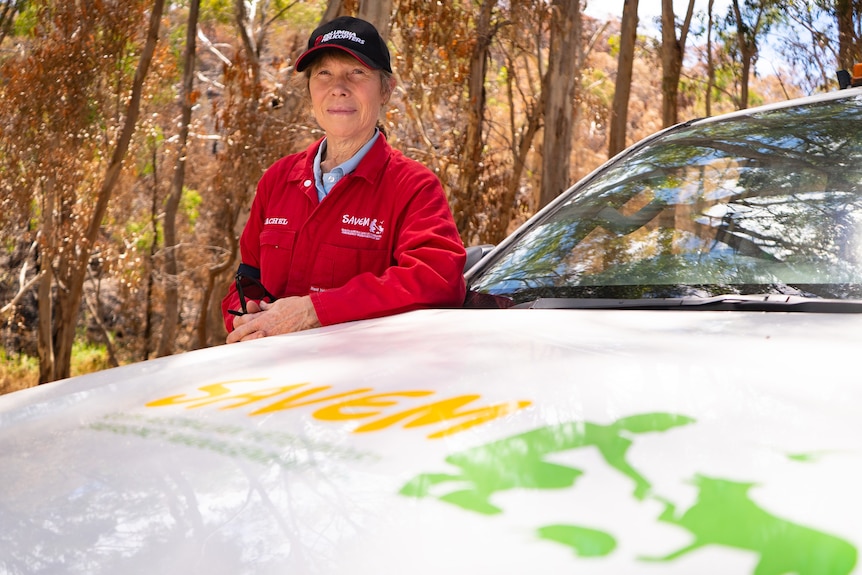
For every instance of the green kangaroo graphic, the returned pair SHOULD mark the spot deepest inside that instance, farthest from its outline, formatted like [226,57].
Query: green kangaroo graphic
[725,515]
[519,461]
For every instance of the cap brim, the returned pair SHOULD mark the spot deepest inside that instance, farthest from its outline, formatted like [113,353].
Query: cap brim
[307,57]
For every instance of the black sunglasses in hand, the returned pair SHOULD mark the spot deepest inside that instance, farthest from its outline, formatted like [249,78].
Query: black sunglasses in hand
[249,287]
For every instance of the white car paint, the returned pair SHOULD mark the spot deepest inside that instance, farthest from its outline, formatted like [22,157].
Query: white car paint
[302,463]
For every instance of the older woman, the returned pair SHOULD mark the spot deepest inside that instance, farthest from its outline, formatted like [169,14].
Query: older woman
[349,228]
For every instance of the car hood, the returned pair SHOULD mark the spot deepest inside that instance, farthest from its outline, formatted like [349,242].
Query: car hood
[457,441]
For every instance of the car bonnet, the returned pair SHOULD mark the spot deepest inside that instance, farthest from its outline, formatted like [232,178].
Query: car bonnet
[484,441]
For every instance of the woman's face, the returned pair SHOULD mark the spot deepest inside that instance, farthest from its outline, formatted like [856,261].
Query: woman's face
[346,97]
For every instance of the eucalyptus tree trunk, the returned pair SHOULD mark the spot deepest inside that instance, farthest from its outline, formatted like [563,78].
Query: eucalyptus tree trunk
[560,102]
[170,272]
[334,9]
[672,53]
[45,330]
[710,63]
[746,53]
[378,13]
[467,194]
[849,42]
[623,85]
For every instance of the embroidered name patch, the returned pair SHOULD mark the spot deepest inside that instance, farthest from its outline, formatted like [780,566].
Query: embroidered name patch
[370,228]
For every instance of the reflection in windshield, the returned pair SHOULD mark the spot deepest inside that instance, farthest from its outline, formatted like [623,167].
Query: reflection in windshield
[769,202]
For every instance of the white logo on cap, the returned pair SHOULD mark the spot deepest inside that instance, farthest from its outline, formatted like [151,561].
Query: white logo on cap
[341,35]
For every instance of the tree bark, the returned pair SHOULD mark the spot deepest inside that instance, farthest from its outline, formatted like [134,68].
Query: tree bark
[378,13]
[849,44]
[252,49]
[745,57]
[672,53]
[466,194]
[334,9]
[710,63]
[560,84]
[45,331]
[151,263]
[623,85]
[170,273]
[747,44]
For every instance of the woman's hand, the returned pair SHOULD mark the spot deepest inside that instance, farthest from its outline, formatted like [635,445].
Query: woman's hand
[285,315]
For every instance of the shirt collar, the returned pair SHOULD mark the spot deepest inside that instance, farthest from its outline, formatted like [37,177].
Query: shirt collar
[340,170]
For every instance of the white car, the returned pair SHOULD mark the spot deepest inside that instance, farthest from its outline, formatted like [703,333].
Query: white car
[656,374]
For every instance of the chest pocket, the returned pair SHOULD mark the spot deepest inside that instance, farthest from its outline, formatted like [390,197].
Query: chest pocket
[276,251]
[334,266]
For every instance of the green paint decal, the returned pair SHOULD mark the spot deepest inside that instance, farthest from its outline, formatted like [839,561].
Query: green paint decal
[723,513]
[584,542]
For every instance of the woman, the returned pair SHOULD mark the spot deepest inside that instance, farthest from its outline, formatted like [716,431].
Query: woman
[350,228]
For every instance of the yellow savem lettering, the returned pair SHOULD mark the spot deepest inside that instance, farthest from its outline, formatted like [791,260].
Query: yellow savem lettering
[358,408]
[291,402]
[445,410]
[213,392]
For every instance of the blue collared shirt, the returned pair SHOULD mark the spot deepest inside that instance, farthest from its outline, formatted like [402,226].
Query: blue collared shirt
[325,182]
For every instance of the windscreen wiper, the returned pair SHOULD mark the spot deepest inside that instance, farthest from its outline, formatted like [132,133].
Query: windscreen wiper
[730,302]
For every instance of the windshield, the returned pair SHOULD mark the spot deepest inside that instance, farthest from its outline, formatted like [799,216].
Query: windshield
[764,203]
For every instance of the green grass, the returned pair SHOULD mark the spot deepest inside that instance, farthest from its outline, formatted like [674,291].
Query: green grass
[19,371]
[88,357]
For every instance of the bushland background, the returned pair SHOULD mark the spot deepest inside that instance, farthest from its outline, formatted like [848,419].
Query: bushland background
[133,132]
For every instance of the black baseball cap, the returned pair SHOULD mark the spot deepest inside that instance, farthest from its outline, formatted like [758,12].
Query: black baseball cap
[357,37]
